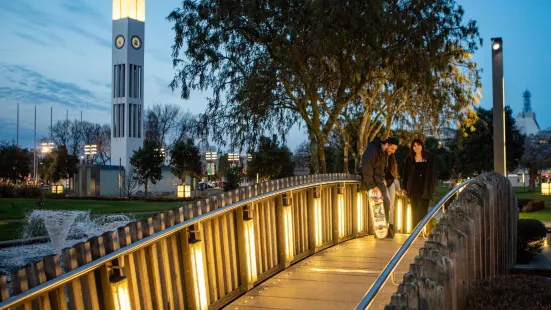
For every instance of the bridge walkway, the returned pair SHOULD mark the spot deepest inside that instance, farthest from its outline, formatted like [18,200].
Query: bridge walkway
[336,278]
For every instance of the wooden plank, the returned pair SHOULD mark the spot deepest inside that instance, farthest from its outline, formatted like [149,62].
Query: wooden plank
[4,293]
[175,263]
[165,270]
[210,255]
[145,294]
[74,287]
[130,270]
[88,281]
[52,269]
[153,266]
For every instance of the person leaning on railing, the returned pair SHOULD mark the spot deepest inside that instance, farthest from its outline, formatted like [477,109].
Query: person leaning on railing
[420,180]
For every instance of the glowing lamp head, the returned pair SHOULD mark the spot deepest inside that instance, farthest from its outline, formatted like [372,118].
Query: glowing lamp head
[497,44]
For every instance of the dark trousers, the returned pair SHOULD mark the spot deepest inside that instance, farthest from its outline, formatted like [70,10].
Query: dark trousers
[419,208]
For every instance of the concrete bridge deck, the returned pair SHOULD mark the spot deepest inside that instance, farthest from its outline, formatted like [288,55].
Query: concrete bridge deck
[336,278]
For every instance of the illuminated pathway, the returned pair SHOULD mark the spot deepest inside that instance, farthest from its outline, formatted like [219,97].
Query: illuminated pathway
[336,278]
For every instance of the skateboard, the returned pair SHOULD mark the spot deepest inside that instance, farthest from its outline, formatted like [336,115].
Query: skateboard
[378,215]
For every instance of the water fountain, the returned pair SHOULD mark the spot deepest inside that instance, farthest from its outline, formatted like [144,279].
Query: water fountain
[64,229]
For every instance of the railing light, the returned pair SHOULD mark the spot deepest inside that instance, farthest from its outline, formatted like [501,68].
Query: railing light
[119,289]
[318,221]
[361,220]
[399,214]
[408,218]
[288,226]
[250,249]
[340,206]
[198,273]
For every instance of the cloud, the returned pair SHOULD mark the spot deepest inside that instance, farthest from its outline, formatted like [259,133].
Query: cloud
[81,8]
[31,38]
[25,85]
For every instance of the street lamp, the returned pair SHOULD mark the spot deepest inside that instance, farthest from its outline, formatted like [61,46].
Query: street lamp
[211,157]
[233,157]
[498,107]
[90,150]
[46,147]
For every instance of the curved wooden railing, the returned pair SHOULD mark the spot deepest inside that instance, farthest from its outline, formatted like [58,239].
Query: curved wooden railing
[475,239]
[202,255]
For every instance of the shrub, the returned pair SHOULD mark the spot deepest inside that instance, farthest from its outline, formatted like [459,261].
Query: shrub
[533,205]
[28,191]
[521,203]
[530,239]
[7,190]
[511,292]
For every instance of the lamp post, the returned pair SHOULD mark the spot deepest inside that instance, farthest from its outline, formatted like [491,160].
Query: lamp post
[498,106]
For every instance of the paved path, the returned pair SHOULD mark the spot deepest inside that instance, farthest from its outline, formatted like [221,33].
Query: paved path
[336,278]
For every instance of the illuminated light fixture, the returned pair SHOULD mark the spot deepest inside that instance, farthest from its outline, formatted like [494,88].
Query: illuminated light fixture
[134,9]
[119,289]
[57,189]
[198,269]
[46,147]
[360,202]
[90,149]
[496,46]
[523,178]
[317,192]
[184,191]
[546,188]
[318,221]
[340,210]
[399,214]
[250,248]
[341,270]
[288,225]
[408,218]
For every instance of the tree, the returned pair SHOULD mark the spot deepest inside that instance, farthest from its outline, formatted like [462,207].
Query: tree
[272,65]
[473,147]
[131,182]
[185,159]
[162,122]
[223,163]
[302,156]
[537,155]
[75,134]
[58,165]
[15,162]
[234,177]
[270,160]
[148,162]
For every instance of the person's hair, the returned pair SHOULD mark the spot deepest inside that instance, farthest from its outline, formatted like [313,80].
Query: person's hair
[424,152]
[391,140]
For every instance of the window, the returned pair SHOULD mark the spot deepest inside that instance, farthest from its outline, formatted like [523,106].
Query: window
[139,121]
[114,116]
[122,120]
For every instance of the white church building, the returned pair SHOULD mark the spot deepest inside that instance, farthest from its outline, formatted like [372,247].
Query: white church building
[526,120]
[127,108]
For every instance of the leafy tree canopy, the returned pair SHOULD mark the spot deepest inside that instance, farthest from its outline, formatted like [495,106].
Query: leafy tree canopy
[15,162]
[271,160]
[148,161]
[185,159]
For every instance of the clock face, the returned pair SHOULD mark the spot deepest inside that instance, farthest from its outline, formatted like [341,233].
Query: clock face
[119,41]
[136,42]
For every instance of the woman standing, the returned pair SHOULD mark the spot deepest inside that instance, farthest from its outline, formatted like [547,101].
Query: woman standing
[419,180]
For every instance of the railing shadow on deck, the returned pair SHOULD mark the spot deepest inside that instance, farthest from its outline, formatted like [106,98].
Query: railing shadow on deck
[202,255]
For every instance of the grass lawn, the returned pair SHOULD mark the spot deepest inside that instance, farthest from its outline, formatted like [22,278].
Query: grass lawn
[23,205]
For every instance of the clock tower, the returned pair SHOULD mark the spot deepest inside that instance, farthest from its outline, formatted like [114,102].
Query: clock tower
[127,75]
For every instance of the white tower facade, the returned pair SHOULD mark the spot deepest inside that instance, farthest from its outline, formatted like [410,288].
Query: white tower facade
[127,80]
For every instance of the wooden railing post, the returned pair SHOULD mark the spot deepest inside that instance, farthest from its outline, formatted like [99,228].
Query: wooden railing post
[356,208]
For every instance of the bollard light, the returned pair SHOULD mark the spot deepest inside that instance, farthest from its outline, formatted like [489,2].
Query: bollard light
[546,188]
[57,189]
[340,210]
[184,191]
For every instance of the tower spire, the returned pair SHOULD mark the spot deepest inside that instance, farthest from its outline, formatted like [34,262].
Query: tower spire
[527,105]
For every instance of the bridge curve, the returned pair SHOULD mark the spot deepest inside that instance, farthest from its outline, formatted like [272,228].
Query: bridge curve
[207,254]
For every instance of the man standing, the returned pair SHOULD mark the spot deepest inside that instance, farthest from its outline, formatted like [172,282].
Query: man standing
[374,167]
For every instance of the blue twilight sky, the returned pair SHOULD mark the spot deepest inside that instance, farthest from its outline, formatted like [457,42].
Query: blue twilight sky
[57,53]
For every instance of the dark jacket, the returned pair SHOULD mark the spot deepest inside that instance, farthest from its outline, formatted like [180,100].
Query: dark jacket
[374,163]
[389,177]
[431,177]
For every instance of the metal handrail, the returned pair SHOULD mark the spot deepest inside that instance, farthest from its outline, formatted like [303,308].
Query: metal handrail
[393,263]
[80,271]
